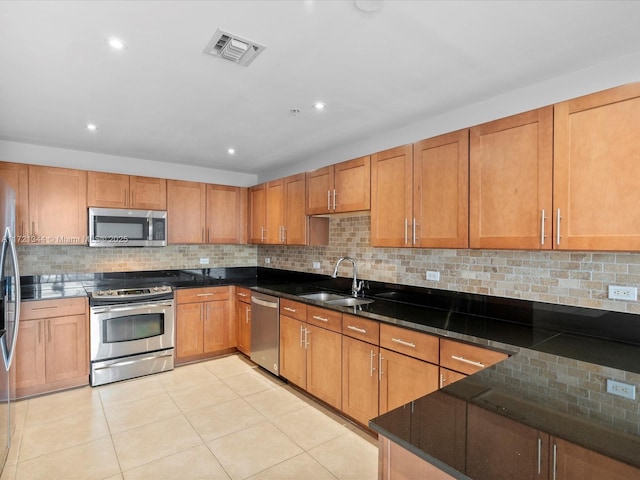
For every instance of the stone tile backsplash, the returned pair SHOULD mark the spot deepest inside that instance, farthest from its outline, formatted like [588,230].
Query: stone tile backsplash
[568,278]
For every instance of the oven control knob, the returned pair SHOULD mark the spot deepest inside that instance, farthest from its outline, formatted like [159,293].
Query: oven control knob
[110,292]
[155,289]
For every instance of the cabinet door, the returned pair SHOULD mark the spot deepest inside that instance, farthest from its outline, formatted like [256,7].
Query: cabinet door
[243,317]
[66,347]
[293,353]
[275,212]
[324,365]
[186,203]
[403,379]
[447,377]
[226,214]
[216,326]
[258,213]
[30,355]
[498,447]
[510,184]
[573,462]
[441,191]
[359,379]
[17,176]
[596,170]
[189,324]
[319,190]
[148,193]
[391,197]
[295,219]
[352,185]
[107,190]
[58,205]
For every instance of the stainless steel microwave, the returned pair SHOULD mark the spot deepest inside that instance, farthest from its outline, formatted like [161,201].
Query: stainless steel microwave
[115,227]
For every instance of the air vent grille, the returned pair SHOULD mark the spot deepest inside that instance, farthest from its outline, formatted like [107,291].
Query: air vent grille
[233,48]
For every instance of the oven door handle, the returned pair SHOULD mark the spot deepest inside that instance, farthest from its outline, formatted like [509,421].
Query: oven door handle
[123,363]
[128,308]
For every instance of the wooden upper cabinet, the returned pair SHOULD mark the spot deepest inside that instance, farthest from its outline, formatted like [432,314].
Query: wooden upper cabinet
[58,205]
[258,213]
[391,197]
[275,212]
[295,230]
[226,214]
[344,187]
[596,170]
[511,162]
[16,175]
[186,209]
[441,191]
[113,190]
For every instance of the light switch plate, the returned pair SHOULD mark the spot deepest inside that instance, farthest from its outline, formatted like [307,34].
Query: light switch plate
[204,261]
[433,276]
[316,265]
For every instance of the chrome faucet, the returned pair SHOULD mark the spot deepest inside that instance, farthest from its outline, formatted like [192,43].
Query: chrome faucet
[355,286]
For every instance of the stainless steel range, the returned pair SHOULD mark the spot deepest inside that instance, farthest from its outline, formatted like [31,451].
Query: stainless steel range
[132,332]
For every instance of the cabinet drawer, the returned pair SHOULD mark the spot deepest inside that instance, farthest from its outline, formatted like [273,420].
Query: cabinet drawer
[324,318]
[35,309]
[415,344]
[466,358]
[361,328]
[193,295]
[243,295]
[293,309]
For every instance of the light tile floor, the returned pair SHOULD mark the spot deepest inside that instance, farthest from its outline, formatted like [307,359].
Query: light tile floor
[220,419]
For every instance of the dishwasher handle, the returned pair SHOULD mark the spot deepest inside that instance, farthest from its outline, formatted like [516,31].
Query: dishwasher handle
[264,303]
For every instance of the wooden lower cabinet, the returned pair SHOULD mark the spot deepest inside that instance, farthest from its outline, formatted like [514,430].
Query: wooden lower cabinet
[403,379]
[52,348]
[293,353]
[397,463]
[359,379]
[204,326]
[243,319]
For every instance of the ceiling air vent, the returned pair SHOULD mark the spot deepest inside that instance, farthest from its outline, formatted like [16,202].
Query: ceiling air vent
[232,47]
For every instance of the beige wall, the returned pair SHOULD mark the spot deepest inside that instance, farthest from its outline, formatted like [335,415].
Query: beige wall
[569,278]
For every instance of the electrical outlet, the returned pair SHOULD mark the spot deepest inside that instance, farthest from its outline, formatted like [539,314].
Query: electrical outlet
[433,276]
[267,260]
[621,389]
[204,261]
[316,264]
[623,293]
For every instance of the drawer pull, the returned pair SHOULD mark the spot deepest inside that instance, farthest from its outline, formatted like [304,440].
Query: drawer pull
[289,309]
[322,319]
[45,308]
[470,362]
[243,294]
[203,294]
[402,342]
[356,329]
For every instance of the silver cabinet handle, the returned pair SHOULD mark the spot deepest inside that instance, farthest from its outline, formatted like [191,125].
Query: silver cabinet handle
[262,231]
[406,225]
[380,372]
[306,338]
[470,362]
[542,229]
[244,295]
[371,367]
[555,459]
[322,319]
[334,198]
[442,380]
[414,230]
[558,228]
[539,455]
[402,342]
[284,234]
[203,294]
[356,329]
[328,200]
[289,309]
[247,311]
[301,334]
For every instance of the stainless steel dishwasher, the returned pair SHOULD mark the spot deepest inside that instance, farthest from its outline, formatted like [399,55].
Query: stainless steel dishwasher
[265,331]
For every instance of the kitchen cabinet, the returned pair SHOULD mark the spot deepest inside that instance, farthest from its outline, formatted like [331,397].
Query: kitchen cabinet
[595,171]
[186,212]
[226,220]
[258,213]
[52,347]
[57,206]
[447,377]
[311,356]
[510,187]
[419,194]
[204,325]
[466,358]
[16,175]
[339,188]
[398,463]
[113,190]
[243,319]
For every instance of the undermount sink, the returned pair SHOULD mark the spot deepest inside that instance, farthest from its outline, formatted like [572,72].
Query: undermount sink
[349,302]
[323,296]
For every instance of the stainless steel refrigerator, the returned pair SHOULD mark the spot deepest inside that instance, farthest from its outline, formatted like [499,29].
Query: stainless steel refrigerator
[10,316]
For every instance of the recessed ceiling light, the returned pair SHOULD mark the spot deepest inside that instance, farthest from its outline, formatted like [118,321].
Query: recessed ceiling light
[369,5]
[116,43]
[294,112]
[319,105]
[92,127]
[231,151]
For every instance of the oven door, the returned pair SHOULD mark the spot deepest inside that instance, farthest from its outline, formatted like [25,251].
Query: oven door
[130,329]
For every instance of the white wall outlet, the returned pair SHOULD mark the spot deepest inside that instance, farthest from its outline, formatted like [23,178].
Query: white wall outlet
[204,261]
[316,265]
[621,389]
[267,260]
[433,276]
[623,293]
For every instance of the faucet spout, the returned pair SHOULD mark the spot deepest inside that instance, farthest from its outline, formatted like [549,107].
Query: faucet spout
[355,287]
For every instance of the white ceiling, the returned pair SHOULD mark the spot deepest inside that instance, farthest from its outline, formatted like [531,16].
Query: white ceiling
[162,99]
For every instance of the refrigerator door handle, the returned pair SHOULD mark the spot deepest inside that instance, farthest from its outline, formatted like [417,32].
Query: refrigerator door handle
[16,282]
